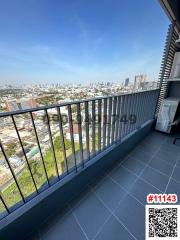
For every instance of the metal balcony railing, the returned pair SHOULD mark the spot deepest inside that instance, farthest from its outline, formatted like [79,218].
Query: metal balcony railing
[42,146]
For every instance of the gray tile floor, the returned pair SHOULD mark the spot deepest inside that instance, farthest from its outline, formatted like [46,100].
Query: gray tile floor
[114,206]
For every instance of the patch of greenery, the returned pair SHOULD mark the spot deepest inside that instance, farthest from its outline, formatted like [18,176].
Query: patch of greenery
[11,194]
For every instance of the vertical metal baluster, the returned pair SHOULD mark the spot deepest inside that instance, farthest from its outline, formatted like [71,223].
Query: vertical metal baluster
[121,127]
[128,114]
[93,128]
[38,143]
[117,118]
[51,141]
[19,138]
[72,135]
[156,103]
[87,128]
[124,115]
[139,111]
[132,106]
[151,110]
[148,106]
[153,100]
[12,172]
[145,107]
[113,119]
[141,108]
[4,203]
[109,121]
[80,132]
[62,138]
[104,122]
[136,112]
[99,124]
[126,107]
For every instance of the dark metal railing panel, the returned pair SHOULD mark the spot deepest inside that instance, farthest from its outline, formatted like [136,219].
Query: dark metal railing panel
[86,106]
[117,118]
[79,120]
[113,119]
[52,144]
[27,162]
[130,117]
[62,138]
[134,112]
[141,106]
[104,123]
[123,117]
[121,126]
[93,128]
[72,135]
[109,121]
[39,147]
[12,172]
[101,123]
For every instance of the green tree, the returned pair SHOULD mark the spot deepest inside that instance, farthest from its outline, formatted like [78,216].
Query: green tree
[11,149]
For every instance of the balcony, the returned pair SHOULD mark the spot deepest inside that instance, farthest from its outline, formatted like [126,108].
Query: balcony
[113,206]
[60,158]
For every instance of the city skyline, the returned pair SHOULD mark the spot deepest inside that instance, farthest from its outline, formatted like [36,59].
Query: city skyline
[71,42]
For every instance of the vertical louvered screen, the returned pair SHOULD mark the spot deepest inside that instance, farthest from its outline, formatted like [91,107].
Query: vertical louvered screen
[166,64]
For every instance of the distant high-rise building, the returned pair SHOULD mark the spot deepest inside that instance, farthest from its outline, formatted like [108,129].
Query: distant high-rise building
[139,81]
[126,82]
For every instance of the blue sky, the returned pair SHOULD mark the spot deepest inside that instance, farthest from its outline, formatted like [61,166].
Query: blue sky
[66,41]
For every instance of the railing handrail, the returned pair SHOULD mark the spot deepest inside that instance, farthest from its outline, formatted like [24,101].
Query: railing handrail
[118,116]
[64,104]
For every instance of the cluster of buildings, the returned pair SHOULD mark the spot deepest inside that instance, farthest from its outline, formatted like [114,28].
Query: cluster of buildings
[39,95]
[140,83]
[43,94]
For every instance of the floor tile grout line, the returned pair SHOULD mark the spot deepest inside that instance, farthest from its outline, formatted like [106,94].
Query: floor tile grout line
[178,157]
[144,180]
[139,176]
[152,167]
[127,192]
[158,171]
[130,171]
[77,221]
[139,147]
[113,214]
[171,164]
[147,152]
[94,191]
[72,210]
[177,181]
[101,227]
